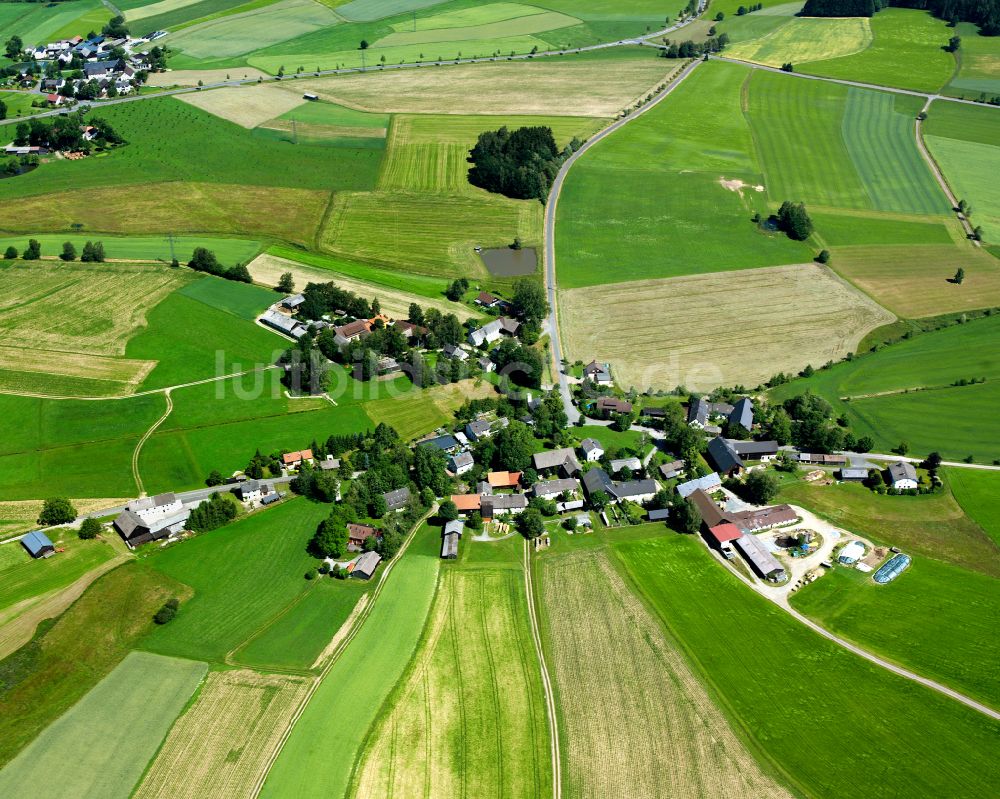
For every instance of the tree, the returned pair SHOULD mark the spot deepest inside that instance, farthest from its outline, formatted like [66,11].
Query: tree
[57,510]
[520,164]
[959,276]
[68,251]
[364,44]
[787,67]
[865,444]
[214,478]
[456,290]
[10,254]
[793,220]
[217,511]
[240,274]
[902,448]
[954,43]
[13,48]
[823,257]
[204,260]
[92,252]
[933,462]
[448,511]
[528,302]
[684,517]
[415,314]
[474,521]
[3,110]
[33,251]
[168,611]
[515,445]
[530,523]
[90,528]
[330,540]
[286,283]
[115,28]
[760,487]
[599,500]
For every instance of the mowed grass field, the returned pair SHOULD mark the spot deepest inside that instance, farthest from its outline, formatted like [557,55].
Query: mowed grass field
[842,708]
[906,52]
[38,24]
[596,85]
[143,692]
[625,692]
[904,392]
[800,40]
[137,248]
[975,491]
[220,745]
[936,619]
[679,331]
[965,142]
[470,709]
[45,678]
[414,413]
[834,145]
[979,70]
[247,106]
[317,758]
[244,576]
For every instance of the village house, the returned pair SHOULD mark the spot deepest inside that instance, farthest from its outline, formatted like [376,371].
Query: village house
[672,469]
[487,300]
[742,414]
[723,457]
[455,352]
[294,460]
[592,450]
[633,463]
[762,451]
[641,491]
[658,515]
[550,489]
[466,503]
[853,475]
[358,534]
[504,479]
[252,491]
[396,500]
[709,483]
[478,429]
[492,331]
[903,476]
[364,565]
[461,463]
[486,364]
[563,459]
[608,406]
[445,443]
[598,373]
[501,504]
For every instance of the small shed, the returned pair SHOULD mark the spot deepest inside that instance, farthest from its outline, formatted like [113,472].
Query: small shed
[659,515]
[38,545]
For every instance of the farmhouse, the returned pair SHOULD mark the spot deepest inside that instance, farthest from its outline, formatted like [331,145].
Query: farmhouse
[152,509]
[283,324]
[902,475]
[708,483]
[135,530]
[654,413]
[755,450]
[293,302]
[449,539]
[607,406]
[759,519]
[742,414]
[641,491]
[721,536]
[466,503]
[504,479]
[672,469]
[710,512]
[758,556]
[492,331]
[563,459]
[632,463]
[592,450]
[487,300]
[723,457]
[252,491]
[461,463]
[503,503]
[478,429]
[409,330]
[329,463]
[38,545]
[486,364]
[549,489]
[293,460]
[364,566]
[357,534]
[598,373]
[698,412]
[396,500]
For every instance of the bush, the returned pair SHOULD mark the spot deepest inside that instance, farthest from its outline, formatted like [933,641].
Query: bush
[311,574]
[89,529]
[167,613]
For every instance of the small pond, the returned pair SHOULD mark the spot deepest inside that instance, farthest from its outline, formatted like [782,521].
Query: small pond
[505,262]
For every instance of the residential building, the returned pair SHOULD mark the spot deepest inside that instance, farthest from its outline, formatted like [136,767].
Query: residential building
[563,459]
[486,364]
[709,483]
[757,520]
[742,414]
[461,463]
[455,352]
[550,489]
[38,544]
[709,510]
[654,413]
[698,412]
[135,530]
[364,565]
[608,406]
[672,469]
[501,504]
[903,475]
[487,300]
[396,500]
[504,479]
[723,457]
[598,373]
[293,302]
[759,557]
[633,463]
[445,443]
[466,503]
[251,491]
[152,509]
[357,534]
[477,429]
[492,331]
[592,450]
[755,450]
[449,539]
[329,463]
[483,488]
[641,491]
[293,460]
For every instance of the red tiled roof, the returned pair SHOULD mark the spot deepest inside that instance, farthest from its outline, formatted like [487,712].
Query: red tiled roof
[504,479]
[725,532]
[467,501]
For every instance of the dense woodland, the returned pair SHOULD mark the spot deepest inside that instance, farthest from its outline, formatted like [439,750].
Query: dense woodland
[984,13]
[521,164]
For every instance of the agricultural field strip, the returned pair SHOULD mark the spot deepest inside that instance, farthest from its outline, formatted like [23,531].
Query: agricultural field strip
[550,702]
[857,650]
[145,437]
[358,623]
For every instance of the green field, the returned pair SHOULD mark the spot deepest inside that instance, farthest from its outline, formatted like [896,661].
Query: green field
[22,577]
[952,420]
[477,656]
[833,145]
[979,59]
[41,23]
[244,577]
[906,52]
[798,40]
[45,678]
[935,619]
[838,707]
[654,187]
[144,692]
[140,248]
[317,758]
[149,17]
[976,492]
[18,103]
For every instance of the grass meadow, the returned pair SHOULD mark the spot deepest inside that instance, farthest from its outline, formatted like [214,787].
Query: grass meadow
[936,619]
[800,40]
[668,228]
[244,576]
[38,24]
[915,400]
[837,708]
[317,758]
[149,17]
[976,491]
[144,692]
[663,720]
[71,655]
[470,708]
[906,52]
[979,70]
[416,413]
[140,248]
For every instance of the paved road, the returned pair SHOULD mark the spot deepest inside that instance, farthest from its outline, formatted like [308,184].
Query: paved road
[875,456]
[550,235]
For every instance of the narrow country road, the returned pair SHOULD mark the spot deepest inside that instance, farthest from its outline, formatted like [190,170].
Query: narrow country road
[875,456]
[138,447]
[550,234]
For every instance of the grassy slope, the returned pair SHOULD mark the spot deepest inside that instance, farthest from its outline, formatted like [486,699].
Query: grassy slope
[144,691]
[832,707]
[243,575]
[978,72]
[317,758]
[668,228]
[976,492]
[46,677]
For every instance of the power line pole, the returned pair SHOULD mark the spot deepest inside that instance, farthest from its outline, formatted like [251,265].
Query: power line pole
[364,66]
[295,133]
[170,238]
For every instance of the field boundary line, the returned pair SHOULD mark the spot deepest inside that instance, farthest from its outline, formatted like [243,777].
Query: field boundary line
[138,447]
[546,681]
[335,656]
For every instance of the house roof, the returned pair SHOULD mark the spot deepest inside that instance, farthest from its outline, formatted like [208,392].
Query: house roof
[36,542]
[503,502]
[549,487]
[589,445]
[295,457]
[711,514]
[453,351]
[902,470]
[504,479]
[698,412]
[462,459]
[723,456]
[634,488]
[485,298]
[329,463]
[366,563]
[709,482]
[658,515]
[454,526]
[467,502]
[754,449]
[632,463]
[597,480]
[396,499]
[353,329]
[279,321]
[671,469]
[853,474]
[760,558]
[613,405]
[478,427]
[764,518]
[442,443]
[598,370]
[725,532]
[742,413]
[551,458]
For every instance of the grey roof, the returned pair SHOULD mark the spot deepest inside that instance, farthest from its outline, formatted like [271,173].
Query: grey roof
[456,526]
[708,483]
[902,470]
[130,525]
[763,562]
[462,459]
[294,301]
[484,489]
[723,456]
[742,413]
[147,503]
[597,480]
[453,351]
[552,458]
[443,443]
[671,469]
[329,463]
[395,500]
[248,487]
[477,428]
[632,463]
[488,332]
[366,564]
[597,371]
[282,323]
[500,503]
[634,488]
[853,474]
[658,515]
[754,449]
[449,546]
[588,445]
[698,412]
[550,487]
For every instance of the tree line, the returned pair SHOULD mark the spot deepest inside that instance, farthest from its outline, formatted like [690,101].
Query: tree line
[93,252]
[64,133]
[984,13]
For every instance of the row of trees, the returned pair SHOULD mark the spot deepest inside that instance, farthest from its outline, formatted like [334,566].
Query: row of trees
[690,49]
[984,13]
[204,260]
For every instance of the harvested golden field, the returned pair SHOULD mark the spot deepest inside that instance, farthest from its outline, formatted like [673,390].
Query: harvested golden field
[174,207]
[724,328]
[913,281]
[190,77]
[18,516]
[267,269]
[468,719]
[634,720]
[247,106]
[223,743]
[30,371]
[91,309]
[806,39]
[574,86]
[419,411]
